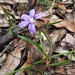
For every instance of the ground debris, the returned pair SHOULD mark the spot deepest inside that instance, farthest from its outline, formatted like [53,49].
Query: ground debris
[56,38]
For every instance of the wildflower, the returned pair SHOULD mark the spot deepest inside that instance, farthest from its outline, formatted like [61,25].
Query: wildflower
[28,20]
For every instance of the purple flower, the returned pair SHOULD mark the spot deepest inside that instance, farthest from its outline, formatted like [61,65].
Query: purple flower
[28,20]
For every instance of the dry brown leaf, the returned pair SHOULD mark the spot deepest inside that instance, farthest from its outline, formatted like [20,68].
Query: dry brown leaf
[71,71]
[61,6]
[2,59]
[42,22]
[12,61]
[70,68]
[3,22]
[38,9]
[13,1]
[60,70]
[67,1]
[27,63]
[6,1]
[57,35]
[70,39]
[60,50]
[21,1]
[69,16]
[33,56]
[3,19]
[65,23]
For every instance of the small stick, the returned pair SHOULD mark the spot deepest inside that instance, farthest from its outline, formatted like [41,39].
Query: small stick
[7,47]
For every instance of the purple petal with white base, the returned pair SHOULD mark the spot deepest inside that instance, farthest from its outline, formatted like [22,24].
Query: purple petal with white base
[31,28]
[25,17]
[39,15]
[32,13]
[30,19]
[23,24]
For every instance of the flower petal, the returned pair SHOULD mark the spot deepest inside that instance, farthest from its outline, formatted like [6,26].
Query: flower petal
[23,24]
[32,28]
[39,15]
[32,13]
[25,17]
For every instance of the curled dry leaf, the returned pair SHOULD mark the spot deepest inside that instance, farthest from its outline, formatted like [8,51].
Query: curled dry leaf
[57,35]
[65,23]
[70,39]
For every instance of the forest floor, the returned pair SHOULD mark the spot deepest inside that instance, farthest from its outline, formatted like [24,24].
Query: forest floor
[37,37]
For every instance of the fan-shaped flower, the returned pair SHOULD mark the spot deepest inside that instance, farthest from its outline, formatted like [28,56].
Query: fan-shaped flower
[28,20]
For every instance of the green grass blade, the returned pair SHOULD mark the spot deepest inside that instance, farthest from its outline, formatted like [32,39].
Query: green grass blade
[32,42]
[60,63]
[40,61]
[19,70]
[40,38]
[6,13]
[46,25]
[12,25]
[62,54]
[48,39]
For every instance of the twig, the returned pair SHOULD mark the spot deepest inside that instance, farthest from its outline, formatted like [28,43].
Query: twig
[7,47]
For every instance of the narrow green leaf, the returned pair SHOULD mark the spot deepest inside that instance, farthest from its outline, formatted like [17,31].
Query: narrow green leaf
[62,54]
[32,42]
[40,61]
[48,39]
[60,63]
[12,25]
[51,24]
[19,70]
[10,21]
[10,31]
[40,38]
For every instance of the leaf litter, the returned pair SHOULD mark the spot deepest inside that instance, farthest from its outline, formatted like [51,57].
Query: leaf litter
[61,35]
